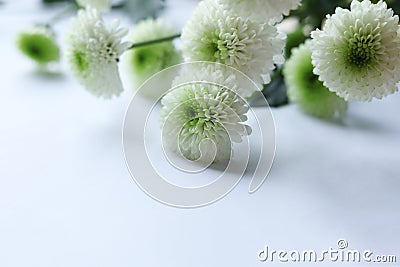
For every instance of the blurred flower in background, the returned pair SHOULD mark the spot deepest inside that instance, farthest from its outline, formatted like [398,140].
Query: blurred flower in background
[307,90]
[39,44]
[144,61]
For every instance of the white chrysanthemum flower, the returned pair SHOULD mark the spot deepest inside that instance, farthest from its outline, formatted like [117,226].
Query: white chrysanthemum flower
[145,61]
[94,52]
[218,35]
[262,10]
[357,55]
[197,113]
[101,5]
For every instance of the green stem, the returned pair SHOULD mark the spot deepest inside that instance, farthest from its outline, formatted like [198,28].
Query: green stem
[156,41]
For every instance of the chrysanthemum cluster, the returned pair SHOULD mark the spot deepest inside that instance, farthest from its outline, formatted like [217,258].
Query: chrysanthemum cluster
[94,51]
[357,54]
[144,61]
[202,113]
[230,33]
[217,33]
[305,89]
[39,44]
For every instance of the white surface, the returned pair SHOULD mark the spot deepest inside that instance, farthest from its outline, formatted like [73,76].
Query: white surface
[66,198]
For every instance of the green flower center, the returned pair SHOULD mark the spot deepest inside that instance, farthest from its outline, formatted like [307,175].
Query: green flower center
[362,48]
[195,126]
[219,47]
[221,51]
[35,51]
[196,129]
[80,61]
[197,121]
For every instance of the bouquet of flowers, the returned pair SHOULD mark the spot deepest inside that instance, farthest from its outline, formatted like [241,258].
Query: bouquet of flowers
[320,56]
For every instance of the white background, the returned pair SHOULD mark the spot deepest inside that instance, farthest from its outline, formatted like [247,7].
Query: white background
[67,199]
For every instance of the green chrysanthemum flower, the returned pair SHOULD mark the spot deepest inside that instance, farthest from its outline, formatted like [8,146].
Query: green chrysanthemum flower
[39,44]
[196,113]
[357,54]
[94,51]
[217,34]
[143,62]
[305,88]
